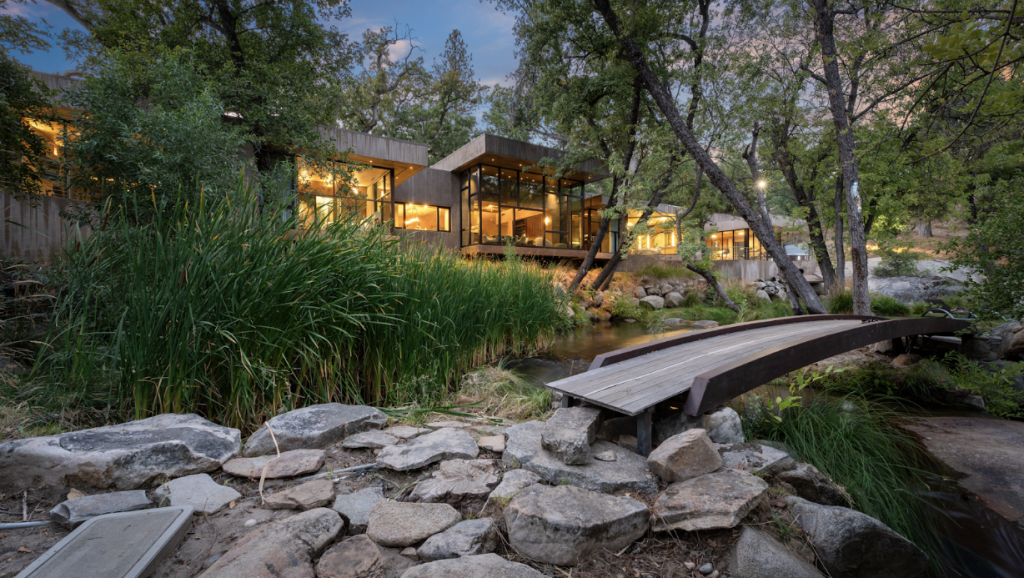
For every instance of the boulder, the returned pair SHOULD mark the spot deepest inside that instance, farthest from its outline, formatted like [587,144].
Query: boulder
[312,494]
[673,299]
[513,482]
[724,426]
[850,544]
[125,456]
[710,502]
[374,439]
[911,289]
[467,538]
[71,513]
[666,288]
[442,444]
[199,491]
[458,482]
[282,549]
[562,524]
[755,458]
[758,555]
[684,456]
[494,444]
[357,557]
[763,295]
[483,566]
[812,485]
[652,302]
[288,465]
[355,507]
[628,474]
[316,427]
[401,524]
[1015,346]
[598,299]
[569,433]
[639,292]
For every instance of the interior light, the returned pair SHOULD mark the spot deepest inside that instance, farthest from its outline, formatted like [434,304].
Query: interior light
[547,220]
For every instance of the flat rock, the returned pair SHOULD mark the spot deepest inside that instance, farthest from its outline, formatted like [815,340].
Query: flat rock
[312,494]
[355,507]
[125,456]
[404,432]
[987,451]
[711,502]
[705,324]
[457,482]
[606,456]
[513,482]
[569,433]
[199,491]
[444,424]
[684,456]
[282,549]
[73,512]
[812,485]
[369,440]
[850,544]
[628,474]
[315,427]
[723,426]
[357,557]
[755,458]
[483,566]
[443,444]
[495,444]
[401,524]
[758,555]
[288,465]
[467,538]
[562,524]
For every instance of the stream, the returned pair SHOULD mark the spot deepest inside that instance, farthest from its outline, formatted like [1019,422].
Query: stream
[976,542]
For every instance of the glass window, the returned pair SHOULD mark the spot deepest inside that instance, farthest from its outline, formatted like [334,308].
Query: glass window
[531,191]
[509,188]
[365,194]
[489,182]
[422,217]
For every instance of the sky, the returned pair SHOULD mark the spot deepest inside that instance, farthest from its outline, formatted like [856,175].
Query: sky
[487,32]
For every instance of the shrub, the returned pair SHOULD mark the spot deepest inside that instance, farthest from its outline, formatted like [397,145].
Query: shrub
[994,384]
[665,272]
[888,306]
[623,308]
[692,298]
[840,302]
[897,263]
[919,308]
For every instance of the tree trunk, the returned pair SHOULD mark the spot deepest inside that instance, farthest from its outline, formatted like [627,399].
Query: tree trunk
[661,95]
[719,290]
[924,229]
[595,245]
[824,23]
[840,248]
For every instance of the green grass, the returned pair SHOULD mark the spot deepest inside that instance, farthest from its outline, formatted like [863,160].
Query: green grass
[225,311]
[882,305]
[888,307]
[723,315]
[664,272]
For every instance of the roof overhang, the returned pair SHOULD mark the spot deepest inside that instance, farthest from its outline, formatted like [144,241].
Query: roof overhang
[518,155]
[406,158]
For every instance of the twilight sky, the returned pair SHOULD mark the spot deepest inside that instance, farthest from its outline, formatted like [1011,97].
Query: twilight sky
[487,31]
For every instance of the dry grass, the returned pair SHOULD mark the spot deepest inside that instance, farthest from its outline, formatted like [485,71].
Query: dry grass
[500,392]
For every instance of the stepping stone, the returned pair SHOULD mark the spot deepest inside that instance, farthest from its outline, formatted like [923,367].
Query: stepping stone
[850,544]
[288,465]
[495,444]
[125,456]
[513,482]
[458,481]
[755,458]
[443,444]
[401,524]
[483,566]
[467,538]
[283,549]
[758,555]
[563,524]
[357,557]
[73,512]
[355,507]
[199,492]
[711,502]
[404,432]
[684,456]
[316,427]
[569,433]
[373,440]
[312,494]
[628,474]
[122,545]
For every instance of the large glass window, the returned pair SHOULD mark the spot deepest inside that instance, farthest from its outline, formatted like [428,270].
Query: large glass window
[422,217]
[525,209]
[364,194]
[660,237]
[733,245]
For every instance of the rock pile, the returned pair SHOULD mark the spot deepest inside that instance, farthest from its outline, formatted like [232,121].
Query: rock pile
[771,290]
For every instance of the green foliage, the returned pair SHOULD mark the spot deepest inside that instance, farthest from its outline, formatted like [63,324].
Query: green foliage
[775,409]
[221,309]
[996,385]
[624,309]
[21,99]
[897,263]
[920,308]
[501,392]
[922,381]
[888,306]
[656,271]
[840,303]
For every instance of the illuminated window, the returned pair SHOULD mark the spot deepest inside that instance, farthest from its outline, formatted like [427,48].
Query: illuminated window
[422,217]
[330,196]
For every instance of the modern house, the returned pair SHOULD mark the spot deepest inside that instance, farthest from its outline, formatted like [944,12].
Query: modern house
[491,193]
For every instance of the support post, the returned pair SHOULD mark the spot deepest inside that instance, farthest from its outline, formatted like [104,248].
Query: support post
[566,401]
[644,423]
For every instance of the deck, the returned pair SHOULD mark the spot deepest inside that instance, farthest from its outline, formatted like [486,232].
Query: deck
[701,370]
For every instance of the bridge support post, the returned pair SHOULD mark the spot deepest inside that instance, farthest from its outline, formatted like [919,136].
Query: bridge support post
[644,425]
[566,401]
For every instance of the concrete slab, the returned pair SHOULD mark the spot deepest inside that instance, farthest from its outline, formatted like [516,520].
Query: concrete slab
[124,545]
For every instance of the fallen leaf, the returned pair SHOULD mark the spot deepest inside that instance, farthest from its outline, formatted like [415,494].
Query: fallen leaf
[25,549]
[75,494]
[9,559]
[231,505]
[2,536]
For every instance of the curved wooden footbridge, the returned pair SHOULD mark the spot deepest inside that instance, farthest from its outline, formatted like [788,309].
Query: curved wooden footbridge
[701,370]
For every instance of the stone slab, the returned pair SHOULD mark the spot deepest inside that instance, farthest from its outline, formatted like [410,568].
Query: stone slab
[71,513]
[442,444]
[122,545]
[316,427]
[199,491]
[288,465]
[355,507]
[374,439]
[482,566]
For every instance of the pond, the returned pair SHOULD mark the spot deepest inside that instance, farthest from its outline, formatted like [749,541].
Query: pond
[975,541]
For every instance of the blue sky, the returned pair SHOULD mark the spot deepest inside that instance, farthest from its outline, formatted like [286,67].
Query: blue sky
[487,31]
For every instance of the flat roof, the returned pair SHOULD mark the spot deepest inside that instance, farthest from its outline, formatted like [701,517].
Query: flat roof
[508,153]
[406,158]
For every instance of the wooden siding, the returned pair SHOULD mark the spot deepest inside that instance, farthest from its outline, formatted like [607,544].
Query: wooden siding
[33,233]
[376,147]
